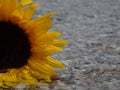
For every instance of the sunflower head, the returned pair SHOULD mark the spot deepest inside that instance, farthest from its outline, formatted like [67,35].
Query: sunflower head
[26,44]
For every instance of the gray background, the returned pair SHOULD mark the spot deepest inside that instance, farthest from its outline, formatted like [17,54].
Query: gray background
[92,56]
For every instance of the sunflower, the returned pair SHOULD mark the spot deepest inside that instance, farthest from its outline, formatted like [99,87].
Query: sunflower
[26,45]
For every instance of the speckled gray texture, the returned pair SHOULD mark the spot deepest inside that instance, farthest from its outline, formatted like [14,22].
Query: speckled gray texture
[92,56]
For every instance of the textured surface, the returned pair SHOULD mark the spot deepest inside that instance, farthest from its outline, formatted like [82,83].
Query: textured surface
[92,56]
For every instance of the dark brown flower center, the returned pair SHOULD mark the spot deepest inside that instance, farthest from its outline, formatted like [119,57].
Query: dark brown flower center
[14,46]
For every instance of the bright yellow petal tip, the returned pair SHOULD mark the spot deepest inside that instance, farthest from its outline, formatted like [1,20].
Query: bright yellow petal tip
[25,2]
[42,43]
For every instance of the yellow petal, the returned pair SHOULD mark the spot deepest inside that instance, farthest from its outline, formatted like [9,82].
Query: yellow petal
[53,62]
[17,15]
[4,10]
[46,50]
[29,11]
[41,29]
[25,2]
[39,75]
[41,67]
[47,37]
[13,5]
[7,7]
[59,43]
[44,17]
[53,34]
[42,25]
